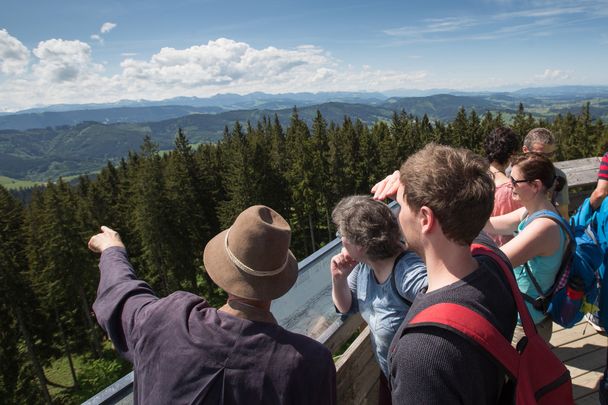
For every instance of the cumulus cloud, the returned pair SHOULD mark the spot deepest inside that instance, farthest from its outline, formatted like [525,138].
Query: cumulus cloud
[63,61]
[65,72]
[225,61]
[14,56]
[552,74]
[107,27]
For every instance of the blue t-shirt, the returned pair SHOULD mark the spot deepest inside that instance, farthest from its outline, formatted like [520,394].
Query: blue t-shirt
[382,305]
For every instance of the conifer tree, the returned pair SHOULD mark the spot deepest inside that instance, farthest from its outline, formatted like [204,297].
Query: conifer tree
[300,181]
[322,179]
[150,218]
[17,307]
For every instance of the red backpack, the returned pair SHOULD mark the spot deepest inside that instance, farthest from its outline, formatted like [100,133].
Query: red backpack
[537,375]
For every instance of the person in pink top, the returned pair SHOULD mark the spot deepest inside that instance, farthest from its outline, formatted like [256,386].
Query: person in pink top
[499,146]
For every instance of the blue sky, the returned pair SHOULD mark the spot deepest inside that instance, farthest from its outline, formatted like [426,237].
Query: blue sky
[93,51]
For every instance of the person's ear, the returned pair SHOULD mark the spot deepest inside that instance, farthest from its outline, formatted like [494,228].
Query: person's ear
[525,149]
[426,218]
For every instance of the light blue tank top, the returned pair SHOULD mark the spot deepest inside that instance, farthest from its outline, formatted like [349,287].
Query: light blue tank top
[544,269]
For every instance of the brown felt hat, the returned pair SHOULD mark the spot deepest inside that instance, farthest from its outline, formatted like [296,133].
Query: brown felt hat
[251,259]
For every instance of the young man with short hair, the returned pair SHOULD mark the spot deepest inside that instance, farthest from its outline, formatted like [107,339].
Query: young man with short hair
[446,196]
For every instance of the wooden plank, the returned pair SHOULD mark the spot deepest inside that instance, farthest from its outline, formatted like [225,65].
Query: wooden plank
[357,371]
[580,347]
[581,365]
[586,384]
[573,165]
[340,331]
[580,172]
[590,399]
[563,336]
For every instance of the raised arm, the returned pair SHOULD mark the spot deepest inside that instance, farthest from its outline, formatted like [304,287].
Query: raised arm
[411,273]
[122,300]
[341,266]
[505,224]
[387,188]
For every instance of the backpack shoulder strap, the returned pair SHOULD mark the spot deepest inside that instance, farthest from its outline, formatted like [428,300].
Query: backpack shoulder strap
[472,325]
[544,296]
[565,226]
[526,320]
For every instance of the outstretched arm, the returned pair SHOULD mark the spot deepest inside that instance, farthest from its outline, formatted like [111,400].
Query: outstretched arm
[122,300]
[504,224]
[106,239]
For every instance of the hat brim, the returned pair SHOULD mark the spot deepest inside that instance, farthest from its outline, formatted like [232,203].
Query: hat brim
[235,281]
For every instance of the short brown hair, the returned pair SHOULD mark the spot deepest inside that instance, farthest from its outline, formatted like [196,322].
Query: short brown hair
[455,184]
[536,166]
[538,135]
[369,224]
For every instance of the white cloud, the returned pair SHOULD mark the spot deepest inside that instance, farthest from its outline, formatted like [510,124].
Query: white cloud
[432,26]
[14,56]
[63,61]
[65,72]
[224,61]
[552,75]
[97,38]
[107,27]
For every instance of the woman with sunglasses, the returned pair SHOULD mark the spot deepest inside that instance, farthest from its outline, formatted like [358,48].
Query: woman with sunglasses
[539,244]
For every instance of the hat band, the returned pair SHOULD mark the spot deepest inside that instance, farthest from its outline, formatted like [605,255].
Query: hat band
[242,266]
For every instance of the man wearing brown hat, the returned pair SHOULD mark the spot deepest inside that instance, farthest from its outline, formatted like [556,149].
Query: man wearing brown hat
[185,351]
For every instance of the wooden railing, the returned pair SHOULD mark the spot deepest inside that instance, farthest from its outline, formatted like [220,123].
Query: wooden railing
[308,309]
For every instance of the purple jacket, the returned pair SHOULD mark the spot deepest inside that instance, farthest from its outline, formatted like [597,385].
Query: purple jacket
[185,352]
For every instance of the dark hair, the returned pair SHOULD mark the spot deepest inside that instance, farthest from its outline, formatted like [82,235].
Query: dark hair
[455,184]
[369,224]
[536,166]
[500,145]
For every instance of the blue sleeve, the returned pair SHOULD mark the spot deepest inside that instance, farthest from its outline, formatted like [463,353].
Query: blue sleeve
[353,279]
[122,302]
[410,275]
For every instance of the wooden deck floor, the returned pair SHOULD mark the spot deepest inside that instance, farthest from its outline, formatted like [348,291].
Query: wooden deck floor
[583,350]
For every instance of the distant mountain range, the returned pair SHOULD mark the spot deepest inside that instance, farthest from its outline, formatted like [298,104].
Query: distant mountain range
[48,144]
[416,102]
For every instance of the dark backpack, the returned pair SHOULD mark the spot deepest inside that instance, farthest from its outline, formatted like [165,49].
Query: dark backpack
[576,287]
[536,375]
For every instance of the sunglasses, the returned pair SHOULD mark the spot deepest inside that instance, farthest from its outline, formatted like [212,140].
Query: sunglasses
[514,182]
